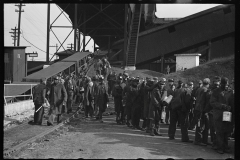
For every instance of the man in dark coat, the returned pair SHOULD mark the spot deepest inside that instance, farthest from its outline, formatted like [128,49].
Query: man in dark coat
[175,109]
[39,94]
[117,94]
[200,117]
[170,90]
[138,104]
[186,100]
[220,103]
[88,98]
[71,89]
[111,78]
[58,100]
[101,97]
[209,110]
[156,104]
[146,100]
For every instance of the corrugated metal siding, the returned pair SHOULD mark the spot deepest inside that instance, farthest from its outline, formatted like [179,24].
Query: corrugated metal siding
[18,64]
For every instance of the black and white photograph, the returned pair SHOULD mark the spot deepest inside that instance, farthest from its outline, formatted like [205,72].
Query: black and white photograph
[120,80]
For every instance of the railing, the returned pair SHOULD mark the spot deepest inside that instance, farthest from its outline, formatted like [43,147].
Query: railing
[17,86]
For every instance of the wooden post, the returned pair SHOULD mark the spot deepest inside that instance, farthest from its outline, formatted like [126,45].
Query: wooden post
[75,28]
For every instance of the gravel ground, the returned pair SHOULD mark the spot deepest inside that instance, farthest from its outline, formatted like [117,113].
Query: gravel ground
[90,139]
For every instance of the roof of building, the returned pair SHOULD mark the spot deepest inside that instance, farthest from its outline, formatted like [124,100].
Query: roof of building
[66,52]
[76,57]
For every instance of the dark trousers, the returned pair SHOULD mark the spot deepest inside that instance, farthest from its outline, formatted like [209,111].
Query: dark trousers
[136,115]
[52,118]
[212,130]
[201,133]
[222,140]
[128,112]
[120,115]
[167,118]
[70,101]
[184,121]
[39,114]
[191,116]
[146,123]
[88,110]
[155,125]
[175,116]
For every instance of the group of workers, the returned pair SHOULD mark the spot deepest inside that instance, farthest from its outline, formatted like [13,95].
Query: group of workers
[200,108]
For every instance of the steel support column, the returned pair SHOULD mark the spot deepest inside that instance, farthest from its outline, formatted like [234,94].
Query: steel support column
[125,35]
[108,46]
[84,30]
[75,28]
[162,61]
[209,50]
[48,32]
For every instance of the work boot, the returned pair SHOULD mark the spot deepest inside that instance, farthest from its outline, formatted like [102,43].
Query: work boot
[157,132]
[152,132]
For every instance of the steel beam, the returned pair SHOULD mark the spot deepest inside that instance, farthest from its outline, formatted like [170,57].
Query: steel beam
[59,14]
[125,34]
[48,32]
[84,30]
[107,15]
[75,27]
[62,26]
[94,16]
[60,42]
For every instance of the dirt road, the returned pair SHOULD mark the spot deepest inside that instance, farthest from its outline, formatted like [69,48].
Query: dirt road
[90,139]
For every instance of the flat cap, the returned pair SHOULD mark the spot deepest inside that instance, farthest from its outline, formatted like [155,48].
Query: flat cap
[224,80]
[190,83]
[217,79]
[126,74]
[206,81]
[155,78]
[43,79]
[170,80]
[200,81]
[180,82]
[55,77]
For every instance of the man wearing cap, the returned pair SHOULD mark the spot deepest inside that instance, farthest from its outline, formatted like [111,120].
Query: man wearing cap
[170,90]
[39,94]
[209,111]
[200,117]
[191,127]
[146,100]
[111,78]
[187,101]
[156,104]
[137,106]
[58,100]
[175,109]
[70,88]
[88,98]
[101,97]
[220,103]
[98,67]
[117,94]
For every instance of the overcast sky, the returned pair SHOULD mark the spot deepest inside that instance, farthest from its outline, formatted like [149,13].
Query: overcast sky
[34,25]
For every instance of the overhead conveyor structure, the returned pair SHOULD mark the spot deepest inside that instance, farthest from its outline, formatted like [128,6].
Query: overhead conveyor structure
[211,31]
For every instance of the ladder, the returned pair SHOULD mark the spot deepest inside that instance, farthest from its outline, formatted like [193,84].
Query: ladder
[133,36]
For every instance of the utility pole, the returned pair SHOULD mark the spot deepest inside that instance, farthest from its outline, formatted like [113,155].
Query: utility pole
[71,46]
[19,21]
[48,31]
[14,35]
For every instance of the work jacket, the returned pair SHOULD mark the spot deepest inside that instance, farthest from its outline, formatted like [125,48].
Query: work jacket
[58,97]
[202,99]
[39,93]
[102,97]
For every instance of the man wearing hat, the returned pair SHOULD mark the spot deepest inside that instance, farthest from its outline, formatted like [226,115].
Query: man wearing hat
[187,101]
[58,100]
[155,109]
[200,117]
[70,88]
[175,109]
[220,103]
[101,97]
[170,89]
[117,94]
[88,98]
[39,94]
[146,100]
[209,111]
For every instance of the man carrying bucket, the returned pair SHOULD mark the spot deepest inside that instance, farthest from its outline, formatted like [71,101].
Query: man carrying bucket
[221,115]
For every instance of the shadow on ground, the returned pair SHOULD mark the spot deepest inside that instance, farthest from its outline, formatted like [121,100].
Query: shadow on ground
[157,146]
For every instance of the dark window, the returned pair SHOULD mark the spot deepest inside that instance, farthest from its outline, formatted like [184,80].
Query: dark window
[227,10]
[171,29]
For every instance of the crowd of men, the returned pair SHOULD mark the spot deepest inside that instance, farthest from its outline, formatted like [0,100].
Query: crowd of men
[154,100]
